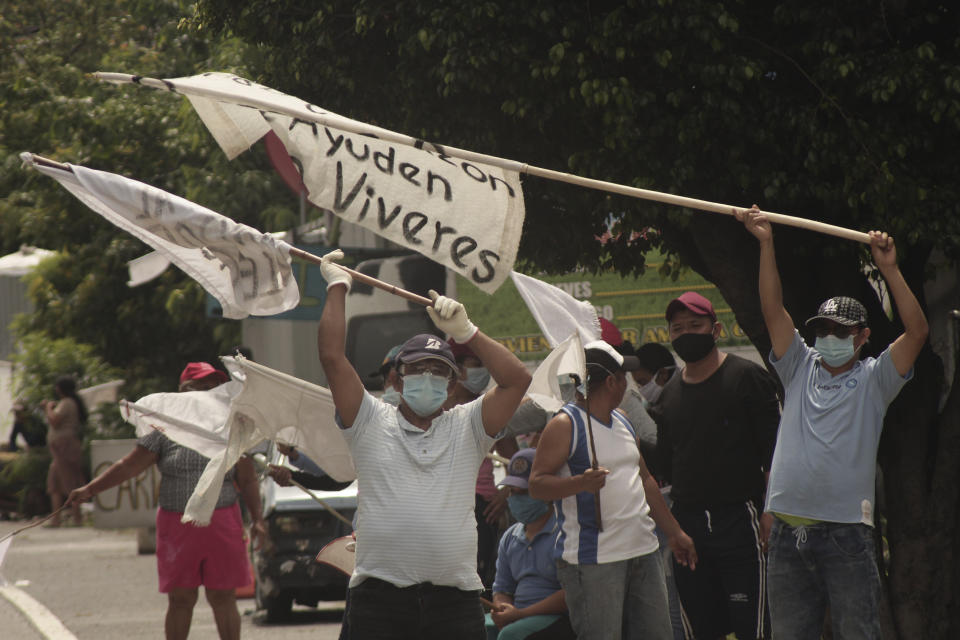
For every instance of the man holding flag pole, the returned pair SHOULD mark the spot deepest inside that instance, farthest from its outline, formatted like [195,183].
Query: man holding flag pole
[416,572]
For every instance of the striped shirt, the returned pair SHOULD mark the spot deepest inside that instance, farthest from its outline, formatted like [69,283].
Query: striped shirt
[180,470]
[627,525]
[416,495]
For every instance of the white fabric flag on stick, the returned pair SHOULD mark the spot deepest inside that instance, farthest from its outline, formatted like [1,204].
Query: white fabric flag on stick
[457,211]
[248,272]
[557,313]
[566,358]
[224,422]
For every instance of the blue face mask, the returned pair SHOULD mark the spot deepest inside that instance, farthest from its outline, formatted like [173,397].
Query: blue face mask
[835,351]
[476,380]
[526,509]
[424,393]
[391,396]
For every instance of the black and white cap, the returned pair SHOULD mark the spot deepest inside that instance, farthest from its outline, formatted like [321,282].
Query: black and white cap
[842,310]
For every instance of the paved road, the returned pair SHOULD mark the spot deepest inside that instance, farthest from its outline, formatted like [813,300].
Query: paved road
[96,585]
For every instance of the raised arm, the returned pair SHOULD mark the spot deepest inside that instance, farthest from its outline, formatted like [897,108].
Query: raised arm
[512,378]
[552,452]
[122,470]
[344,383]
[906,348]
[775,316]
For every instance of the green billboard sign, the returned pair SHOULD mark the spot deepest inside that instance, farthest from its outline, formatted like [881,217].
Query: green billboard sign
[635,305]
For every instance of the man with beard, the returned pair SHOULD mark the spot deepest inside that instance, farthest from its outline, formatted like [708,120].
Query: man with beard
[717,427]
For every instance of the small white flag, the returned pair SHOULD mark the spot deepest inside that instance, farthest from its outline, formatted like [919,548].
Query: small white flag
[567,358]
[557,312]
[248,272]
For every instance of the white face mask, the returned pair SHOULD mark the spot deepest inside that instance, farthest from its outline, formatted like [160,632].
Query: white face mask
[476,380]
[651,391]
[424,393]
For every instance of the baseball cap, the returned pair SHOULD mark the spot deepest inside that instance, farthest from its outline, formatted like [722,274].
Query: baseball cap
[200,370]
[693,302]
[609,333]
[460,351]
[389,361]
[601,356]
[518,470]
[426,346]
[842,310]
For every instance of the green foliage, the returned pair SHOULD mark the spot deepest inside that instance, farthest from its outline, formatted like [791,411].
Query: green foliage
[43,359]
[837,112]
[49,105]
[24,477]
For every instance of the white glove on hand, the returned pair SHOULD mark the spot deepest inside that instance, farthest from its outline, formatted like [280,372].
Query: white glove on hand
[451,317]
[331,272]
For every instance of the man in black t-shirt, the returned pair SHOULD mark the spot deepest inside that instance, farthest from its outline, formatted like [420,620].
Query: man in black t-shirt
[716,430]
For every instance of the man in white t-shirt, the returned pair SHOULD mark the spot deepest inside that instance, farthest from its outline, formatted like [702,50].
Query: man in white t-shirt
[821,488]
[416,557]
[607,559]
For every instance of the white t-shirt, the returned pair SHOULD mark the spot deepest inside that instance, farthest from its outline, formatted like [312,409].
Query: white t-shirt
[416,495]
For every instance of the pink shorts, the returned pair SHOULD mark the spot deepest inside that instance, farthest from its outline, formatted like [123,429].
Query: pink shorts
[214,556]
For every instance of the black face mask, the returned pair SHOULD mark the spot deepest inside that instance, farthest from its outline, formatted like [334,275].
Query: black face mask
[693,347]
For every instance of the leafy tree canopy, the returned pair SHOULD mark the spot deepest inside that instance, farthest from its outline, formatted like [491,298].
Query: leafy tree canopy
[838,112]
[50,106]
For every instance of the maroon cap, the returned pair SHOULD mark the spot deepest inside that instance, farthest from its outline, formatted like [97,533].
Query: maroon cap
[200,370]
[694,302]
[461,351]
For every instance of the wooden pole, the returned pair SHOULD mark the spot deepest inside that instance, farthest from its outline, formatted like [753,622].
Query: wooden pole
[365,279]
[336,514]
[593,451]
[693,203]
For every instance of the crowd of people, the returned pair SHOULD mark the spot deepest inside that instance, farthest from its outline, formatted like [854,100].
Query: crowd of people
[760,504]
[670,497]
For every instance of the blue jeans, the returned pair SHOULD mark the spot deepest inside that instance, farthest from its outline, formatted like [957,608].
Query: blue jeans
[381,611]
[812,566]
[617,600]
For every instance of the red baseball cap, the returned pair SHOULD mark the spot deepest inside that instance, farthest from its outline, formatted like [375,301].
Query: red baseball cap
[693,302]
[201,370]
[609,333]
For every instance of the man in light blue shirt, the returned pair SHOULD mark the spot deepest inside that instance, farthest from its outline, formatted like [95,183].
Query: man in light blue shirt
[821,488]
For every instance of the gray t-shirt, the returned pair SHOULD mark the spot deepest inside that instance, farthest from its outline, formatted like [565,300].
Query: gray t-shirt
[180,470]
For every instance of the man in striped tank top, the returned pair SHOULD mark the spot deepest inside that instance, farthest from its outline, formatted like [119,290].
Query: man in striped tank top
[606,548]
[416,557]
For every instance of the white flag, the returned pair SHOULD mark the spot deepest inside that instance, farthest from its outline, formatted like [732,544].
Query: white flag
[224,422]
[557,312]
[566,358]
[248,272]
[458,211]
